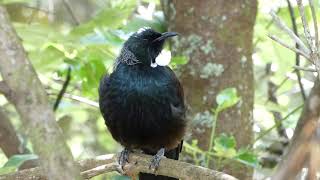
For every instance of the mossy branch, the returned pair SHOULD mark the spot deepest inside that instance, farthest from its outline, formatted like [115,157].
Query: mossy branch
[137,163]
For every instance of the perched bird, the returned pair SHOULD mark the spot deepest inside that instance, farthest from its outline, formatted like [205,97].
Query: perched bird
[143,103]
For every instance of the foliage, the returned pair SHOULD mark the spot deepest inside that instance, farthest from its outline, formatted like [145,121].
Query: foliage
[90,49]
[15,162]
[223,146]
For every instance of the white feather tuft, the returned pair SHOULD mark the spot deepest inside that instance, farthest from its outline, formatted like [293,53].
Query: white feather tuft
[164,58]
[143,29]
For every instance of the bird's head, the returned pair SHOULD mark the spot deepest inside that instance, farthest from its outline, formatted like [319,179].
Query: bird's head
[146,44]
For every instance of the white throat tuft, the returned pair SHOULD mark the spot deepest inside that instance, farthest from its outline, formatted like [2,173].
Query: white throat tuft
[153,64]
[164,58]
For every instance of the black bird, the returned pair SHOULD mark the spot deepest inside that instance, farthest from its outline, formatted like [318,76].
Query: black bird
[142,103]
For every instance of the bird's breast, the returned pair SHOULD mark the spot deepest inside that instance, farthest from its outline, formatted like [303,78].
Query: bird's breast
[138,104]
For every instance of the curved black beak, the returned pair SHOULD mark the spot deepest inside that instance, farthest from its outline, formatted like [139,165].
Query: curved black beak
[165,35]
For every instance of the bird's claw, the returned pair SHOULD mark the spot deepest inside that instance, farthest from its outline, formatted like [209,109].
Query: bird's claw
[155,162]
[123,158]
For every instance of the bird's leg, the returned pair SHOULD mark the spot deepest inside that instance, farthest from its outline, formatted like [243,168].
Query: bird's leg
[124,157]
[155,162]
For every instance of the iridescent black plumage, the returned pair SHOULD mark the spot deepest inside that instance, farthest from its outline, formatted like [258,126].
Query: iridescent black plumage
[143,106]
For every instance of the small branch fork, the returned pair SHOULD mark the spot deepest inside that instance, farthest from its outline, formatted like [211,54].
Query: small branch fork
[309,51]
[137,163]
[305,145]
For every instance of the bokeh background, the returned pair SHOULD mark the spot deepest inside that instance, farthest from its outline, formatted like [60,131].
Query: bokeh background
[85,36]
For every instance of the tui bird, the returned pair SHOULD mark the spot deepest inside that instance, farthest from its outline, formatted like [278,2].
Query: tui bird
[143,103]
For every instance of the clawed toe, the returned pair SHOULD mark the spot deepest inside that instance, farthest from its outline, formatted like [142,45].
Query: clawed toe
[155,162]
[123,158]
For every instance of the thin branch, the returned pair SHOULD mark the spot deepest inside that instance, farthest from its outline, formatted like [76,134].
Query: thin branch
[305,26]
[4,89]
[63,90]
[34,12]
[277,124]
[295,30]
[72,14]
[266,27]
[289,47]
[37,9]
[315,25]
[281,25]
[137,163]
[82,100]
[78,99]
[304,69]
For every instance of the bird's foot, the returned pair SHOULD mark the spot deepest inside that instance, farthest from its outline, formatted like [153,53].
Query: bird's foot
[155,162]
[124,157]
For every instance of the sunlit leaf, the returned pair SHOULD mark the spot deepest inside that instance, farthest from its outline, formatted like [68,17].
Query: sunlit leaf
[224,146]
[179,60]
[109,17]
[227,98]
[7,170]
[15,161]
[18,160]
[247,157]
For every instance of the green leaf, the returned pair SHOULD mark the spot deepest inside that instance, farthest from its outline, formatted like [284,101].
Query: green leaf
[7,170]
[15,161]
[109,17]
[227,98]
[247,157]
[18,160]
[224,146]
[179,60]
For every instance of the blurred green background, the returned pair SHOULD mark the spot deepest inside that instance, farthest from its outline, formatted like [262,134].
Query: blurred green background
[87,40]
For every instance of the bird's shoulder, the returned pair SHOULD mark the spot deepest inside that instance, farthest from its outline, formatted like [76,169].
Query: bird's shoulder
[155,82]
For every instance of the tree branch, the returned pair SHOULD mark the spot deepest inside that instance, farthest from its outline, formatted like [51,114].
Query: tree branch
[72,14]
[9,141]
[304,69]
[4,89]
[305,26]
[304,145]
[63,90]
[281,25]
[137,163]
[31,102]
[315,24]
[295,30]
[313,48]
[305,129]
[289,47]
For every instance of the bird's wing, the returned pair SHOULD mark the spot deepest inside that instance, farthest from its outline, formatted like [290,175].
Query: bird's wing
[177,106]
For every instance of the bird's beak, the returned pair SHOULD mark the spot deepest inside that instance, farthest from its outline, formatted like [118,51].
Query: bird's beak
[165,36]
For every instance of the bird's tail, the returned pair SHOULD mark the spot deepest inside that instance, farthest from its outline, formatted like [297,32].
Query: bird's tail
[171,154]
